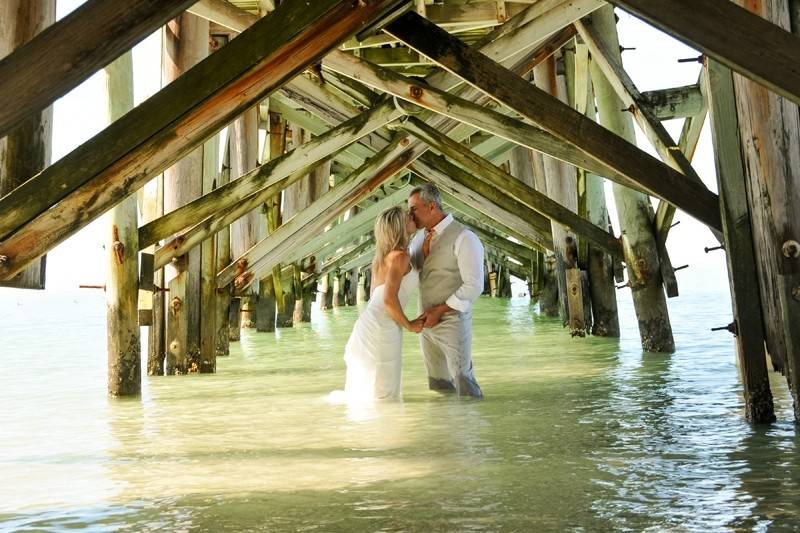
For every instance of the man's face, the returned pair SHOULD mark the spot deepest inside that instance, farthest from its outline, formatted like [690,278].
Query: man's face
[422,213]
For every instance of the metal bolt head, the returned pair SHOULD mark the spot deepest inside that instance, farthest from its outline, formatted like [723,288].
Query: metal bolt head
[416,92]
[791,249]
[796,293]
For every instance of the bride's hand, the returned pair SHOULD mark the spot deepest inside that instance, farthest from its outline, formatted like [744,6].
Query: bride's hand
[416,326]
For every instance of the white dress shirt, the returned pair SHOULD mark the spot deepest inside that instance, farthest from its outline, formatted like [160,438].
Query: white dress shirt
[469,254]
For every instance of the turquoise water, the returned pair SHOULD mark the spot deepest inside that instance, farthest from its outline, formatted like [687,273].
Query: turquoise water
[578,434]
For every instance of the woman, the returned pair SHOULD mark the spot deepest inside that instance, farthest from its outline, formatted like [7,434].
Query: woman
[373,353]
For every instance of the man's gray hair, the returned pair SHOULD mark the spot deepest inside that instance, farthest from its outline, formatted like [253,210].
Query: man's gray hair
[429,194]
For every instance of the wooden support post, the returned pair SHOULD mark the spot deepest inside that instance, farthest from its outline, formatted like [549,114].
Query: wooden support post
[296,198]
[223,236]
[151,207]
[26,139]
[707,25]
[601,293]
[155,134]
[561,187]
[235,320]
[185,42]
[207,360]
[177,323]
[252,226]
[739,250]
[271,288]
[770,136]
[634,210]
[60,59]
[122,284]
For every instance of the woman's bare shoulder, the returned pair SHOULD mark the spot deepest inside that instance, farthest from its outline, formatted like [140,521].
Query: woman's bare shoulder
[398,258]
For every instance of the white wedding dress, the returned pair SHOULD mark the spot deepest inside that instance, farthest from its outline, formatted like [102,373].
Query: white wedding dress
[374,351]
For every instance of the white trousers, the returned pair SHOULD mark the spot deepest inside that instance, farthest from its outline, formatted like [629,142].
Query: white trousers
[447,351]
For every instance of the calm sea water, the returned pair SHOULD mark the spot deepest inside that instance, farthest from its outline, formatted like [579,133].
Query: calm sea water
[578,434]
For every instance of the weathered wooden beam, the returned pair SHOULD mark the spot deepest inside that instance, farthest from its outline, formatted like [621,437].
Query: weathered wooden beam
[433,99]
[499,179]
[761,51]
[223,13]
[269,174]
[193,236]
[157,133]
[72,49]
[313,219]
[341,261]
[632,99]
[557,118]
[675,102]
[348,230]
[533,27]
[739,250]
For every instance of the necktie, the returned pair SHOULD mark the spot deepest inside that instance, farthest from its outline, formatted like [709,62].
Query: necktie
[426,244]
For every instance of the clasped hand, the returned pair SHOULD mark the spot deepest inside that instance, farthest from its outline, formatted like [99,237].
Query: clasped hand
[429,318]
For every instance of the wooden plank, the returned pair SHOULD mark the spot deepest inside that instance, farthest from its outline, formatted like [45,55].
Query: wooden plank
[761,51]
[557,118]
[497,178]
[431,98]
[71,50]
[739,250]
[155,134]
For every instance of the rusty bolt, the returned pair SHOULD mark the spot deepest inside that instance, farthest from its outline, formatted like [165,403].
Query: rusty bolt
[796,293]
[119,252]
[630,109]
[404,141]
[175,304]
[416,92]
[3,259]
[641,263]
[791,249]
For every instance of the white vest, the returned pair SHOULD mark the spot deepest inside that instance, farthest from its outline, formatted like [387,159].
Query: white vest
[440,277]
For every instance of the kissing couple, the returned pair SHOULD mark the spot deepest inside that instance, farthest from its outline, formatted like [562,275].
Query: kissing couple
[446,262]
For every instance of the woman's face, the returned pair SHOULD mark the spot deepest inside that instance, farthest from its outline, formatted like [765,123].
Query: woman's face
[411,226]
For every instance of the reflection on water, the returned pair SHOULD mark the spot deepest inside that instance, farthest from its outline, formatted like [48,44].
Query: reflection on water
[573,433]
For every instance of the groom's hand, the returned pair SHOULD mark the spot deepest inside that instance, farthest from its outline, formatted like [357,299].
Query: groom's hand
[434,315]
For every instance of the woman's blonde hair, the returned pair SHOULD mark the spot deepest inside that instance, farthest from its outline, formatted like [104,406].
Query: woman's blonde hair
[390,235]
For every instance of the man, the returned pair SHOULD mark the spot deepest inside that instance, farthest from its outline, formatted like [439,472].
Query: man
[449,258]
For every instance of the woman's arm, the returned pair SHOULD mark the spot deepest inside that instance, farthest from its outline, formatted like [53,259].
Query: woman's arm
[397,267]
